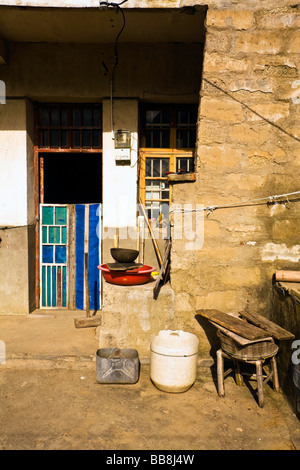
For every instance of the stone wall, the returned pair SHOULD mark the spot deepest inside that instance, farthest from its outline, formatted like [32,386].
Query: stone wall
[248,148]
[286,312]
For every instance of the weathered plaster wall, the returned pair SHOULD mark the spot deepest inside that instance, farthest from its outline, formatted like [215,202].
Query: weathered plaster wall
[119,181]
[17,234]
[13,183]
[131,318]
[14,286]
[248,147]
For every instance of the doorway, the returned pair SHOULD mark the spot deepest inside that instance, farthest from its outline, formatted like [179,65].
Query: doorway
[72,178]
[69,156]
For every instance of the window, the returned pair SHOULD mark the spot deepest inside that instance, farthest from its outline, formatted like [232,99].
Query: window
[186,128]
[157,129]
[157,187]
[69,127]
[169,127]
[168,141]
[69,151]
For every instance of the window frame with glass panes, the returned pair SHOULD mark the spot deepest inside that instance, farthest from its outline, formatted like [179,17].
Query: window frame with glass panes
[66,129]
[69,127]
[168,140]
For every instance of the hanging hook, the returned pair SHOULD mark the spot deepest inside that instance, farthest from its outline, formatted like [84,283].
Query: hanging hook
[210,210]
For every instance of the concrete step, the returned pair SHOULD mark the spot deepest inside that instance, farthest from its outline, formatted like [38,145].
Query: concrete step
[47,339]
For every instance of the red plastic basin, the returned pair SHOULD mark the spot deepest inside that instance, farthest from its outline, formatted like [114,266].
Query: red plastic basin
[131,277]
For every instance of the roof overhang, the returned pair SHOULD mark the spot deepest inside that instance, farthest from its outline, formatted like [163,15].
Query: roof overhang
[96,25]
[3,51]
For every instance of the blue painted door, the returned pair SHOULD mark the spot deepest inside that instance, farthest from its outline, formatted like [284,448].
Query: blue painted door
[88,231]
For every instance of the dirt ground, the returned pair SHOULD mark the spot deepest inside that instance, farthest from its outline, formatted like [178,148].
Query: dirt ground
[50,400]
[63,409]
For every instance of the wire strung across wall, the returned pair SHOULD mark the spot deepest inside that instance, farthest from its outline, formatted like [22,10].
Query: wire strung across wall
[10,227]
[268,200]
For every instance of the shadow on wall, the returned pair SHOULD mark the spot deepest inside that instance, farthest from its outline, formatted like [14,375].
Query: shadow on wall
[211,334]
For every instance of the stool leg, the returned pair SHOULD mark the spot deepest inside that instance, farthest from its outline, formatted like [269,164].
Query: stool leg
[220,373]
[237,371]
[260,387]
[275,373]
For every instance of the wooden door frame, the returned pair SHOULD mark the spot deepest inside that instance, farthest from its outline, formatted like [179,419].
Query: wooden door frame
[39,177]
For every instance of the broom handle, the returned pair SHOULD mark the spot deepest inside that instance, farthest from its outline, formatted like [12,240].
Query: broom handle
[152,234]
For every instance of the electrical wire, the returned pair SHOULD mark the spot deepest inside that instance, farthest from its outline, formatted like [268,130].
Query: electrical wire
[118,9]
[116,57]
[116,61]
[210,209]
[11,227]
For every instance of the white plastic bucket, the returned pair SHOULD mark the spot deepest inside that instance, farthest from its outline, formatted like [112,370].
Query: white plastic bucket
[173,360]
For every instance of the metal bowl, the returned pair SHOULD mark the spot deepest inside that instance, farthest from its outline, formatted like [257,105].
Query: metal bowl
[124,255]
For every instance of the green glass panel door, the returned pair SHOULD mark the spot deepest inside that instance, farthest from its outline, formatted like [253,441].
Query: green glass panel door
[53,256]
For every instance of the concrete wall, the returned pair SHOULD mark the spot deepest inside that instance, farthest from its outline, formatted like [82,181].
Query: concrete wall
[13,174]
[17,232]
[131,318]
[248,147]
[119,181]
[17,163]
[71,72]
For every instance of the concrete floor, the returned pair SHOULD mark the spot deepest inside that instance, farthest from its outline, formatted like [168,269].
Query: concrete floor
[49,399]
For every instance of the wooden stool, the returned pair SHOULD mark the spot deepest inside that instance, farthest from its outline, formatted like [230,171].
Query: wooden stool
[239,376]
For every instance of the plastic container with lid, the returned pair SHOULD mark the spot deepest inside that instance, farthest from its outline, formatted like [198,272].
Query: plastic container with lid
[173,360]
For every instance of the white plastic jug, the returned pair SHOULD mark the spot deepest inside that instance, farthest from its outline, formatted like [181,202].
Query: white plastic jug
[173,360]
